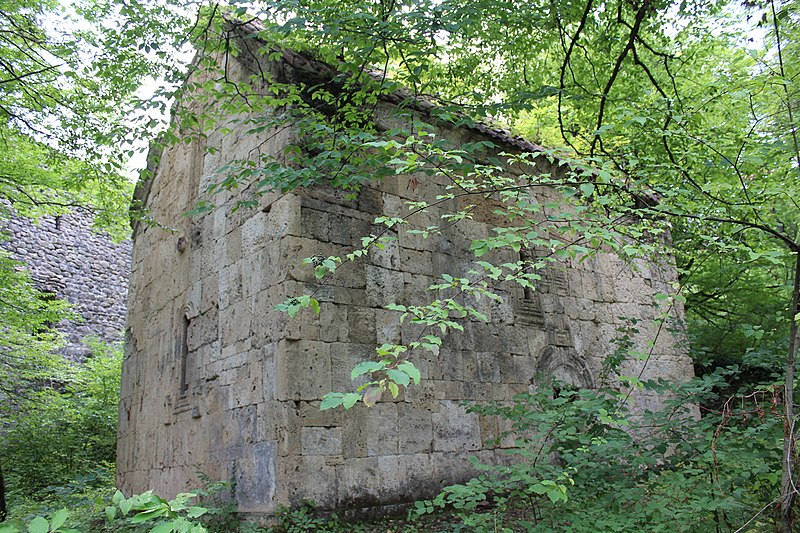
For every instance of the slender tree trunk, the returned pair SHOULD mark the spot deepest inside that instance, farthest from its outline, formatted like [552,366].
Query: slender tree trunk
[788,490]
[3,509]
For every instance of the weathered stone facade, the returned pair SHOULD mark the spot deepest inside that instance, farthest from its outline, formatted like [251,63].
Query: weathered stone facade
[215,380]
[69,260]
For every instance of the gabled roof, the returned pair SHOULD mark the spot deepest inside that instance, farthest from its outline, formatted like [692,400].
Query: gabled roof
[425,104]
[315,69]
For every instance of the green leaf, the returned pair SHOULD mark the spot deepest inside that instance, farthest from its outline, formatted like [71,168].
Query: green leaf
[196,511]
[331,401]
[412,371]
[479,248]
[398,376]
[477,314]
[433,339]
[58,519]
[201,208]
[557,494]
[350,399]
[8,528]
[38,525]
[433,348]
[603,129]
[125,506]
[144,516]
[538,488]
[366,367]
[111,512]
[164,527]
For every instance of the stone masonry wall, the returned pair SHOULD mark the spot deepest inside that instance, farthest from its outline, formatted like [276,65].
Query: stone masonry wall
[215,380]
[86,268]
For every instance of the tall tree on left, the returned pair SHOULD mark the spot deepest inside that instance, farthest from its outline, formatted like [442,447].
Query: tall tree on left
[69,112]
[70,116]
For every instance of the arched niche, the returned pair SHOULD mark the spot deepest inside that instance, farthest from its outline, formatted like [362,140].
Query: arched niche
[564,364]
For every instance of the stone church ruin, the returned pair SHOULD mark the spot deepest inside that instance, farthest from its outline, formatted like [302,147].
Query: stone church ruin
[216,380]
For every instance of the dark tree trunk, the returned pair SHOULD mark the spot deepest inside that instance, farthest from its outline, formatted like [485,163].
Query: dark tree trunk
[3,509]
[788,467]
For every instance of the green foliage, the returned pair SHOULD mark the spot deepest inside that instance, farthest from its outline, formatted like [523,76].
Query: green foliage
[153,514]
[140,512]
[293,305]
[28,342]
[666,117]
[304,518]
[219,500]
[175,515]
[584,463]
[576,227]
[64,428]
[41,524]
[666,120]
[67,85]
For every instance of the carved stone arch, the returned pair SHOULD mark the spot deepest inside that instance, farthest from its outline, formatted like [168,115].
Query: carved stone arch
[190,310]
[564,364]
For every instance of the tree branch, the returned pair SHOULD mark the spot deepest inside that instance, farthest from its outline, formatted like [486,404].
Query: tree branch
[640,15]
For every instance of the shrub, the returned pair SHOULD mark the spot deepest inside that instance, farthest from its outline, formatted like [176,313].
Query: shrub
[584,462]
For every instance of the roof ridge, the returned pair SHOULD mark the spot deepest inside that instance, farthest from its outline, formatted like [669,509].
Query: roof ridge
[419,102]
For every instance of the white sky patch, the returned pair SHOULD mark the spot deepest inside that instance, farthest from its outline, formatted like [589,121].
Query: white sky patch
[65,23]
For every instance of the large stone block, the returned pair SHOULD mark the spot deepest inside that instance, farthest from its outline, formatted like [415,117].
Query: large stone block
[345,356]
[255,476]
[306,477]
[321,440]
[235,322]
[454,429]
[383,286]
[361,325]
[382,430]
[303,370]
[415,429]
[359,483]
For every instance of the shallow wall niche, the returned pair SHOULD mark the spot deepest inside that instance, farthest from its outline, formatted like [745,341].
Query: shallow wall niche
[564,364]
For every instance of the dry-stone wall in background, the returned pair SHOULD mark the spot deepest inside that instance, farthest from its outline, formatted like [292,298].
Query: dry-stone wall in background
[69,260]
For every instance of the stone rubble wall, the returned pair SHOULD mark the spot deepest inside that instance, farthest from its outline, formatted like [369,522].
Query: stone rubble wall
[84,267]
[215,380]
